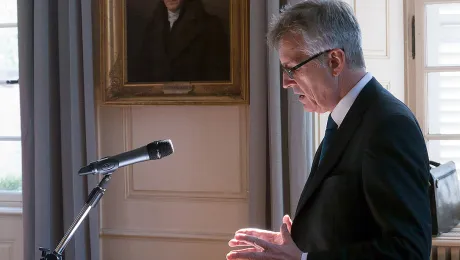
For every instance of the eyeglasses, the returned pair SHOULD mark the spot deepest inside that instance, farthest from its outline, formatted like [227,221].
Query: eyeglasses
[290,72]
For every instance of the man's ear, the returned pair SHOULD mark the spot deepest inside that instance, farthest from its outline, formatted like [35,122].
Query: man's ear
[336,61]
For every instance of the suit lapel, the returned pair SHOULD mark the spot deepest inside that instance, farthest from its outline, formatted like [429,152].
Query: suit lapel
[338,144]
[314,167]
[184,31]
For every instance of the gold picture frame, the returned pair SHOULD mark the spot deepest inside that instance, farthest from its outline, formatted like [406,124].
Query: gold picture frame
[116,89]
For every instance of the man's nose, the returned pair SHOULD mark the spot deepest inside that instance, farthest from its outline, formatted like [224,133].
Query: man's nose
[287,81]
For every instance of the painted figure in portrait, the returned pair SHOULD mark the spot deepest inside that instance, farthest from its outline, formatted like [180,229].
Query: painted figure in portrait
[178,40]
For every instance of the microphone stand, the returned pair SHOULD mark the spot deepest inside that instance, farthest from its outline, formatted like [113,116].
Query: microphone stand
[93,198]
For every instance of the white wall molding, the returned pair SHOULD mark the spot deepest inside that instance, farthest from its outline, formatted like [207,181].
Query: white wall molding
[165,235]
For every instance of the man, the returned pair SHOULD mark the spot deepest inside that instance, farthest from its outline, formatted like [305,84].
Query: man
[367,194]
[182,43]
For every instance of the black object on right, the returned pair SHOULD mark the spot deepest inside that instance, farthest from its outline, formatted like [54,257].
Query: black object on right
[444,197]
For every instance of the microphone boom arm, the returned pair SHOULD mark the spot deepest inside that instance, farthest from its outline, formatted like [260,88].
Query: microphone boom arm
[106,166]
[93,198]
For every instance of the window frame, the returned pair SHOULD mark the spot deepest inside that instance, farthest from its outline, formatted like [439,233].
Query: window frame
[419,88]
[416,87]
[10,199]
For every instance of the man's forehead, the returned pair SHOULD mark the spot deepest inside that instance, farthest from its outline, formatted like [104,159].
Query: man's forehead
[291,41]
[291,49]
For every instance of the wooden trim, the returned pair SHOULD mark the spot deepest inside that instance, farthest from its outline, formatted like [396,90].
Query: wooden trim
[165,235]
[442,136]
[4,211]
[8,25]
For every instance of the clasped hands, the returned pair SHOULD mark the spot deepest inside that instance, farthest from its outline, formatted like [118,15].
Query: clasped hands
[265,245]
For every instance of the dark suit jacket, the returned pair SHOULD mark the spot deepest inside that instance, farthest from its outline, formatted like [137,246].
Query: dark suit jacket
[368,199]
[196,48]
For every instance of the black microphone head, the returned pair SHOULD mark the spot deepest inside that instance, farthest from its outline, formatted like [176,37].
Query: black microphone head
[89,169]
[160,149]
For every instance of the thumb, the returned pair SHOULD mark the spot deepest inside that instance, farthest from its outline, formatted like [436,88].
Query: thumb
[285,233]
[287,220]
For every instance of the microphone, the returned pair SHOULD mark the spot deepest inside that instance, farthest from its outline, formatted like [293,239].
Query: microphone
[153,151]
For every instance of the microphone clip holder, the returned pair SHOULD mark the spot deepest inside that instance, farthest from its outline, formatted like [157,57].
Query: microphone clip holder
[93,198]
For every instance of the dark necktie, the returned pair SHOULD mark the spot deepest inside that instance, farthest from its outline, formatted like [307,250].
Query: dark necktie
[331,129]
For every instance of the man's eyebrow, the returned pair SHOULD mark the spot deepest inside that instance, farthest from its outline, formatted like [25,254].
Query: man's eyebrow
[286,65]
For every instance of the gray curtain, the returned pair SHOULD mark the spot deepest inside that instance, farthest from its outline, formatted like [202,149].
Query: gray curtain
[289,140]
[58,124]
[301,144]
[281,133]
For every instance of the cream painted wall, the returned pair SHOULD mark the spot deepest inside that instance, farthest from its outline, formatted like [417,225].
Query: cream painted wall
[11,235]
[189,204]
[186,205]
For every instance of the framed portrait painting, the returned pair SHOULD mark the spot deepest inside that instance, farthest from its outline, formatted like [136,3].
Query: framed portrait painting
[174,52]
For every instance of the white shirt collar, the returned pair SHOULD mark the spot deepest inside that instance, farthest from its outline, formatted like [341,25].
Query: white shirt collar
[172,17]
[341,110]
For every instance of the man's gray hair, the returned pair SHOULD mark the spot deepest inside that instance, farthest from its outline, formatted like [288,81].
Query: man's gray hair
[324,24]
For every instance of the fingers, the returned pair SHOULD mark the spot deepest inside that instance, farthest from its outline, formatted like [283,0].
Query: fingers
[260,249]
[255,232]
[254,241]
[248,255]
[245,250]
[235,243]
